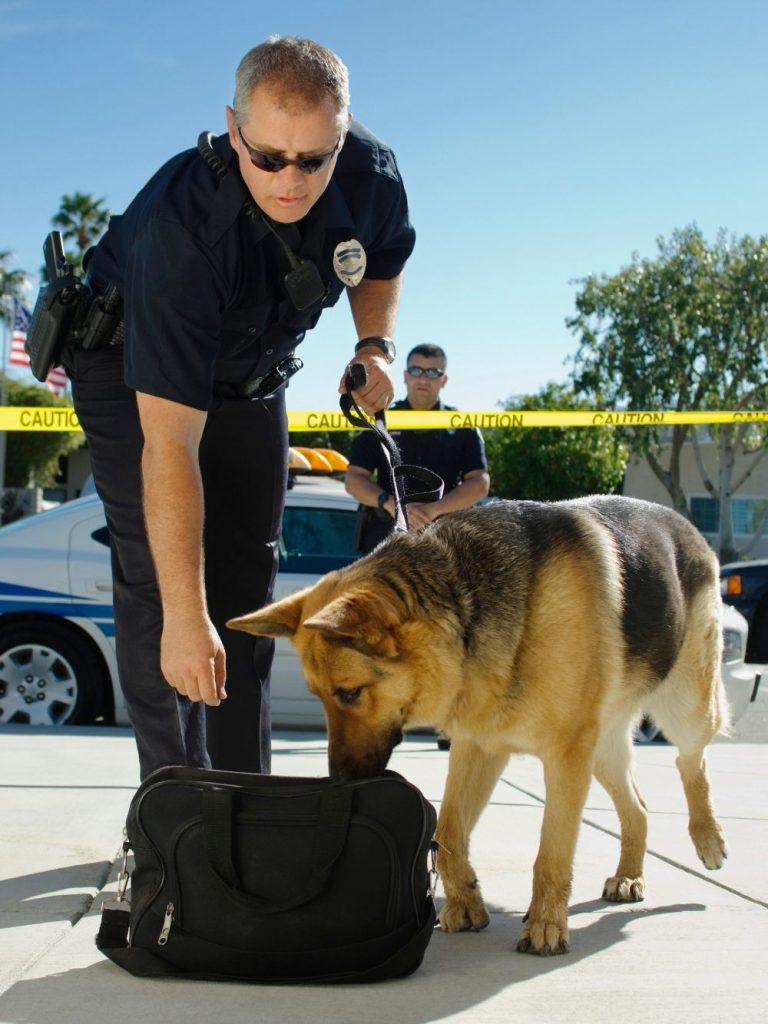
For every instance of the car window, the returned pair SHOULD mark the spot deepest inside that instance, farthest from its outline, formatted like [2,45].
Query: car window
[317,540]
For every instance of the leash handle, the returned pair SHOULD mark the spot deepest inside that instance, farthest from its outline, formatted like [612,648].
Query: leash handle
[354,380]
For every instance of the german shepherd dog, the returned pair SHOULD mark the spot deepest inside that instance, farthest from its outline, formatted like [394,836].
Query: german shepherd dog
[538,628]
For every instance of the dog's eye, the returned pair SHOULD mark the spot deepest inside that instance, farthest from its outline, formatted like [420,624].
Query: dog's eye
[348,696]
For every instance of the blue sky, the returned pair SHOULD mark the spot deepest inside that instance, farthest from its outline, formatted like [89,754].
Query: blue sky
[539,142]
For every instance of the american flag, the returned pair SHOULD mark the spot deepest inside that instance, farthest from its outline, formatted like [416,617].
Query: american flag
[21,321]
[22,317]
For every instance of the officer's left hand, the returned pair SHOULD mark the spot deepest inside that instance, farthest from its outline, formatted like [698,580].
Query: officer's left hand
[379,388]
[421,514]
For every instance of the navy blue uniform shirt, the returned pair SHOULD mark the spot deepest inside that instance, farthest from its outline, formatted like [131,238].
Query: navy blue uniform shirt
[202,282]
[449,453]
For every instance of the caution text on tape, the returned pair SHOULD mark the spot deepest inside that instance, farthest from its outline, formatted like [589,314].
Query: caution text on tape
[64,418]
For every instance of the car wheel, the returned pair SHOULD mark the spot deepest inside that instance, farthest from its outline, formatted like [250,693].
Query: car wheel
[48,676]
[759,636]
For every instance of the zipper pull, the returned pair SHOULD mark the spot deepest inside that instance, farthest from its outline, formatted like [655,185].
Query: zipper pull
[167,922]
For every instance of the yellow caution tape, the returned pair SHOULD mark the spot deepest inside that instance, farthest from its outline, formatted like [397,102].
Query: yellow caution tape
[505,419]
[65,418]
[38,417]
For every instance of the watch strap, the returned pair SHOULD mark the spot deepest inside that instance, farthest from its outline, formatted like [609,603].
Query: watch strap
[385,345]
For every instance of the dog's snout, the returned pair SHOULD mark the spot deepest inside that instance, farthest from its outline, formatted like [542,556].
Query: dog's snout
[346,763]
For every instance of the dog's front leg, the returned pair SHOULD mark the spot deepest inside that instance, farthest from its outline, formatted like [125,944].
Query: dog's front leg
[472,775]
[566,779]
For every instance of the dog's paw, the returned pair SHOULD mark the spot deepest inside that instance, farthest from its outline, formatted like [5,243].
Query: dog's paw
[543,938]
[710,846]
[624,890]
[459,915]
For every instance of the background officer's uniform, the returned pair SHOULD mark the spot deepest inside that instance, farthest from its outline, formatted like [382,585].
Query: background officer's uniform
[449,453]
[205,310]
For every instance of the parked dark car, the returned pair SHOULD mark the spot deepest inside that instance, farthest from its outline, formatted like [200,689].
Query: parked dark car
[744,585]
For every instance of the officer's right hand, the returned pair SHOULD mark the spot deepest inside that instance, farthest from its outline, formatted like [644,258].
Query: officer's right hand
[378,390]
[192,658]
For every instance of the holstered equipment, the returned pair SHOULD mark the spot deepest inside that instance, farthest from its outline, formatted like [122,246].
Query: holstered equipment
[69,311]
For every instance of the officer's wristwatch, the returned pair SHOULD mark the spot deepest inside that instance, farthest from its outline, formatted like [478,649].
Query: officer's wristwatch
[383,498]
[385,345]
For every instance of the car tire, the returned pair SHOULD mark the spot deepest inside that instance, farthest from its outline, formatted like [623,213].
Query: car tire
[648,732]
[759,636]
[49,676]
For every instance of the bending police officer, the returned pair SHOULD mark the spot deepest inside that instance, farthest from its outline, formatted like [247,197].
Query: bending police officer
[224,260]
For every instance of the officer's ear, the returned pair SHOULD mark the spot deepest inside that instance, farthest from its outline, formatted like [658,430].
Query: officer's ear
[231,127]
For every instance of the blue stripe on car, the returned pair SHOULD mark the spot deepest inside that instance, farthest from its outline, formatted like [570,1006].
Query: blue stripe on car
[19,598]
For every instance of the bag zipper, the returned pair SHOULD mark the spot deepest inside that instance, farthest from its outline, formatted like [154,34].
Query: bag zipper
[165,931]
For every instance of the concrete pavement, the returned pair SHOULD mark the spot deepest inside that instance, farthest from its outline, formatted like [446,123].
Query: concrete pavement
[695,950]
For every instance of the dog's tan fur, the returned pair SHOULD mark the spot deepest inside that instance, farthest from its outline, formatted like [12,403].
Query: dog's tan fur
[552,662]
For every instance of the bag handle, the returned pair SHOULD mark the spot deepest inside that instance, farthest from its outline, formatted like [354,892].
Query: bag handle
[329,840]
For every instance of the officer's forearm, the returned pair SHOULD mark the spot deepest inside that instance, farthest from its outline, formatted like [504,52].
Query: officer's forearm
[363,489]
[173,502]
[469,491]
[173,508]
[374,306]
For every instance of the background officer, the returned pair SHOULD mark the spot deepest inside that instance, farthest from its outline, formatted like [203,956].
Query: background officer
[458,456]
[223,261]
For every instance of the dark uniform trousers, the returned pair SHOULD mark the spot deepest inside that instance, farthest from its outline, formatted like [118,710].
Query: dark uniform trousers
[243,461]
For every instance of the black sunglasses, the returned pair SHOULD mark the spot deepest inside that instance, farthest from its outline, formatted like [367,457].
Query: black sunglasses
[273,164]
[424,371]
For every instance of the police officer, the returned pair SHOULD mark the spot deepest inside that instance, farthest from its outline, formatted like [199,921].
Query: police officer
[223,260]
[458,456]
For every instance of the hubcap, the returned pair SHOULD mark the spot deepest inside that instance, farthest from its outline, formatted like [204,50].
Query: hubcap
[37,686]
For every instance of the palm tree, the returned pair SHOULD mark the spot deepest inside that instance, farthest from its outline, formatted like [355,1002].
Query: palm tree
[82,220]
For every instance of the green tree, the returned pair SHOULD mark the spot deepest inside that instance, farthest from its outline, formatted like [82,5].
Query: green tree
[684,331]
[82,220]
[552,463]
[35,453]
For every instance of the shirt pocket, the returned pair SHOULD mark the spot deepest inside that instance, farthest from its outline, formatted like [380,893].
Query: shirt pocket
[244,326]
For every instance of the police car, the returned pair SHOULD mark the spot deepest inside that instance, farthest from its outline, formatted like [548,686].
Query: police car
[57,628]
[57,654]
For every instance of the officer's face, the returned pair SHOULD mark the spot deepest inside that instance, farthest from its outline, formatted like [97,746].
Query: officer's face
[423,391]
[295,132]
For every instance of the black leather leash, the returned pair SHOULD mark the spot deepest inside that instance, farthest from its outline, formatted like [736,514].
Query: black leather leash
[398,472]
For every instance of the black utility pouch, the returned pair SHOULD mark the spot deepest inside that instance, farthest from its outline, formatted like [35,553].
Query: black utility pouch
[55,311]
[70,312]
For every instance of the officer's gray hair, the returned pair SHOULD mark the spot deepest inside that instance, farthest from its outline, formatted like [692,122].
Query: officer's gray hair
[299,69]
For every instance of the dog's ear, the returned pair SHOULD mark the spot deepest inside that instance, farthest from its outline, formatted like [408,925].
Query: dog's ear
[279,619]
[360,621]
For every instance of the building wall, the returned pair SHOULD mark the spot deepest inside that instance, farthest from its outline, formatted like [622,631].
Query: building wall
[640,482]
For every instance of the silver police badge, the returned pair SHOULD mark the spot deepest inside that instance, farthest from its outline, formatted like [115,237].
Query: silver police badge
[349,262]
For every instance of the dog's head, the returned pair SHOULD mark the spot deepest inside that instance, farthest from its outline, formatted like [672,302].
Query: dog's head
[374,666]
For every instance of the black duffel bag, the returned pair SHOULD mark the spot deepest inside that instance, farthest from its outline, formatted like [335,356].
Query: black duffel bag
[268,878]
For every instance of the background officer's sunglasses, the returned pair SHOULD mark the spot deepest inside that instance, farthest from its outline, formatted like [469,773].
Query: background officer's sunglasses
[424,371]
[273,164]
